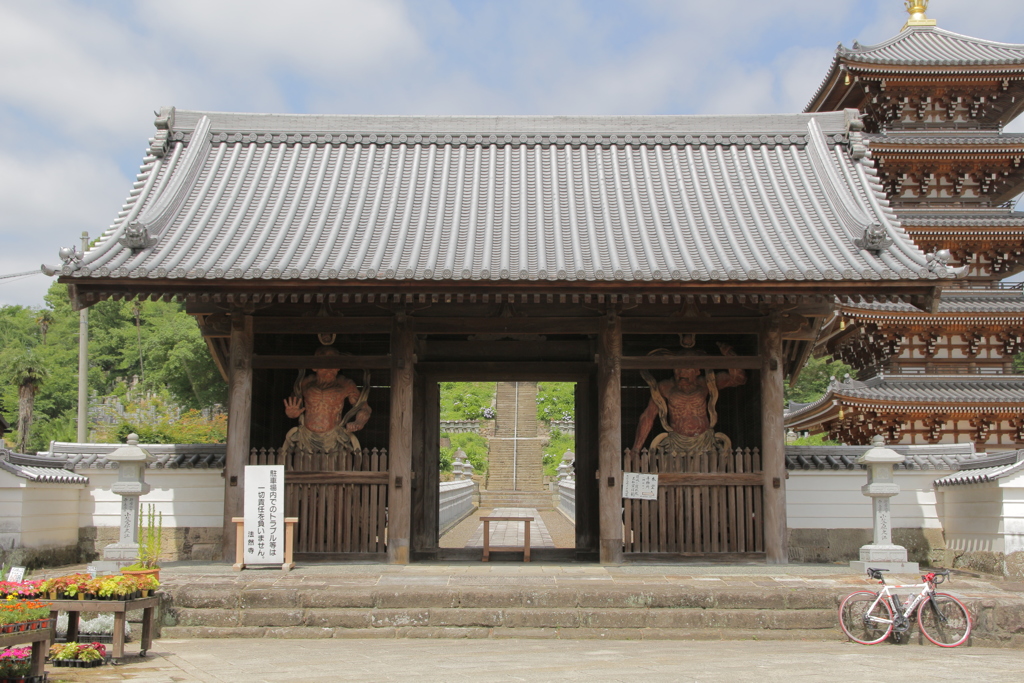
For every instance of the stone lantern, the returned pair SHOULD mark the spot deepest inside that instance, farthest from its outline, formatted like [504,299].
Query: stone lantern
[882,553]
[130,485]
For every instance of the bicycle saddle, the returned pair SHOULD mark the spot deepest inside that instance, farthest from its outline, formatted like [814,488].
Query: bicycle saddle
[876,573]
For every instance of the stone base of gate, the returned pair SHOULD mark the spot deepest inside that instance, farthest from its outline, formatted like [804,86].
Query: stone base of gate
[543,601]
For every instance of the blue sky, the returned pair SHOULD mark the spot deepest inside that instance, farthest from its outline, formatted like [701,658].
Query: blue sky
[79,80]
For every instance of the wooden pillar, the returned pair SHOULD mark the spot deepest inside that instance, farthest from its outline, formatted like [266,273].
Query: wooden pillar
[609,439]
[403,343]
[239,416]
[773,443]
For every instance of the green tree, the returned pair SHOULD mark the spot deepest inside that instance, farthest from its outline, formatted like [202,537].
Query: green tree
[474,445]
[814,379]
[467,400]
[556,401]
[23,369]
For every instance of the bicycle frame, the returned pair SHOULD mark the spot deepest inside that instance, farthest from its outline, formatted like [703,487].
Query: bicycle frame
[902,612]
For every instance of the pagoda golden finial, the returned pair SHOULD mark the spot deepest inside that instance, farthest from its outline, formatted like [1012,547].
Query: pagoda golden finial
[916,10]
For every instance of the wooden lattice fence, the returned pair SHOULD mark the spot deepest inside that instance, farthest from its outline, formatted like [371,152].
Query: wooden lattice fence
[706,505]
[341,500]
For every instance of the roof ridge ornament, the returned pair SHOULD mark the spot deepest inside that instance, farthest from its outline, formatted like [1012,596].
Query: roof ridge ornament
[136,237]
[916,10]
[875,239]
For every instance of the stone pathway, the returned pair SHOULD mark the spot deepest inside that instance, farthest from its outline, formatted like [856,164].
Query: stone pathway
[258,661]
[511,533]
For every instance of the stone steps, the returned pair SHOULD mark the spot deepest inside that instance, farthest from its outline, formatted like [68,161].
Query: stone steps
[542,500]
[510,607]
[490,612]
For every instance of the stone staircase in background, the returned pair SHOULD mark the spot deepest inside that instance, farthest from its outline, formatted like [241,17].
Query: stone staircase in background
[541,500]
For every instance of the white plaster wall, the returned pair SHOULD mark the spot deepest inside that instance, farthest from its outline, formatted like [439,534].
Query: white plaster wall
[37,515]
[827,499]
[1012,489]
[971,514]
[187,498]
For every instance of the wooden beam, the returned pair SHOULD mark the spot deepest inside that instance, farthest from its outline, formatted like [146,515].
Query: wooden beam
[315,362]
[554,371]
[609,439]
[403,342]
[670,325]
[348,477]
[239,417]
[773,442]
[316,325]
[577,350]
[525,325]
[700,362]
[700,479]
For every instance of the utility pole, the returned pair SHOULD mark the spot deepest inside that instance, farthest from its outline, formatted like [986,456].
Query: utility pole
[83,364]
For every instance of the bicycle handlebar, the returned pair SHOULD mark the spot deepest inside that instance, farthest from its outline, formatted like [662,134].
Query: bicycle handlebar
[936,577]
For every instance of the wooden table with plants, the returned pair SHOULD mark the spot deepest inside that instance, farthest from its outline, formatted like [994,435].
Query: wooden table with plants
[23,620]
[119,594]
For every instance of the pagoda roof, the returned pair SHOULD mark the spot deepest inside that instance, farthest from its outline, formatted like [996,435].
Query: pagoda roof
[951,394]
[920,52]
[918,142]
[933,46]
[952,302]
[981,218]
[502,199]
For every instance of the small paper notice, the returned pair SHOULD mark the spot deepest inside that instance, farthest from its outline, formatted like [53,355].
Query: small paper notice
[16,574]
[642,486]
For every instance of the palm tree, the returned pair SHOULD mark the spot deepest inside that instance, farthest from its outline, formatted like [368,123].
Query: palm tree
[22,368]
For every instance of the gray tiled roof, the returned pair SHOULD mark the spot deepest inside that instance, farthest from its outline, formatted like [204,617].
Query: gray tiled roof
[38,469]
[952,389]
[933,46]
[669,198]
[923,457]
[168,456]
[977,301]
[990,469]
[995,219]
[926,143]
[957,392]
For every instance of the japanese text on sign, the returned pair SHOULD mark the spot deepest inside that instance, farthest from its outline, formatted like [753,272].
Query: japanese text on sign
[264,488]
[642,486]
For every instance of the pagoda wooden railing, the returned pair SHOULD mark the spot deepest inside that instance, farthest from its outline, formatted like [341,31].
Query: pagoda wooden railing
[706,505]
[340,500]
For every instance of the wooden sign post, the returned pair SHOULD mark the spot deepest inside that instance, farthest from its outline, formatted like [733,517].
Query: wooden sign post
[264,535]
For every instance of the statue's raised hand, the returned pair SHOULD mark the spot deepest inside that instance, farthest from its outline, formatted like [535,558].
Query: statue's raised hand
[293,407]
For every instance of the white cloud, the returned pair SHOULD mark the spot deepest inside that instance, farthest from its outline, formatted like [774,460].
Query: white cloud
[47,203]
[80,79]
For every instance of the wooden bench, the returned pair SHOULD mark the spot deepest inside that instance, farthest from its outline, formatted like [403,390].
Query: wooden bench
[487,536]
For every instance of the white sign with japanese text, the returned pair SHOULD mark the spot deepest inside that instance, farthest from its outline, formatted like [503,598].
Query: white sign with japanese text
[642,486]
[264,514]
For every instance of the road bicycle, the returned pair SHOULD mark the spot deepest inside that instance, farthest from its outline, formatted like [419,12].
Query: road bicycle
[869,617]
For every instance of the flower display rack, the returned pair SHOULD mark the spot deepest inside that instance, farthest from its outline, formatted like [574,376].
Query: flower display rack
[39,638]
[120,608]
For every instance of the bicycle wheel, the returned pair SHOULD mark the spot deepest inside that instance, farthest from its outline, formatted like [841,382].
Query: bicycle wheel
[863,620]
[944,620]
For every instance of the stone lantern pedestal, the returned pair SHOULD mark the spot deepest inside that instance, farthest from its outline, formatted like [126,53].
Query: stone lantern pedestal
[130,485]
[882,553]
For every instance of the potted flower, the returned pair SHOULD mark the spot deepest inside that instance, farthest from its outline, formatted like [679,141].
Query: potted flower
[15,663]
[63,654]
[151,545]
[147,584]
[91,654]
